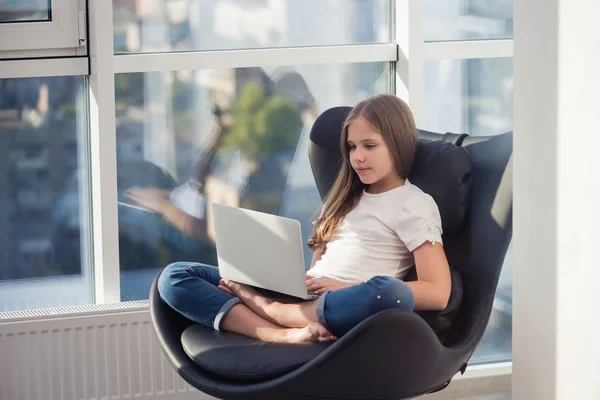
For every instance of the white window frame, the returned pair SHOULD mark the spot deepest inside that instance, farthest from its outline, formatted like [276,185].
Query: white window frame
[66,66]
[64,34]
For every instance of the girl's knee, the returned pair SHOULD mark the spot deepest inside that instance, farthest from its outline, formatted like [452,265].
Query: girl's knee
[172,274]
[167,277]
[177,273]
[392,293]
[173,271]
[181,269]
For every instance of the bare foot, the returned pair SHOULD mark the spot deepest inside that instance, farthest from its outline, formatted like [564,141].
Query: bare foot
[315,332]
[251,297]
[241,290]
[292,314]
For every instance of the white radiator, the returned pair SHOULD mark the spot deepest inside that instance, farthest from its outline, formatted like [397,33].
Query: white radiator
[106,352]
[93,353]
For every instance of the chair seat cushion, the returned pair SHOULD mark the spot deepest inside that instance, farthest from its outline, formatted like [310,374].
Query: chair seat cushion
[243,359]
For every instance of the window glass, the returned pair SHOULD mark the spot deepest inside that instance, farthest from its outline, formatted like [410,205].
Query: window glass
[24,10]
[43,193]
[468,20]
[475,96]
[472,96]
[183,25]
[186,139]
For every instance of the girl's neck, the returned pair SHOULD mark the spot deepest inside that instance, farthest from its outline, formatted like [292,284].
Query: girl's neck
[385,185]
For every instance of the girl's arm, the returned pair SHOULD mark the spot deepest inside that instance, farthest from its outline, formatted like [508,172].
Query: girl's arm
[432,289]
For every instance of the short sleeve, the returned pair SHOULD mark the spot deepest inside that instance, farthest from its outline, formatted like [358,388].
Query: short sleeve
[419,221]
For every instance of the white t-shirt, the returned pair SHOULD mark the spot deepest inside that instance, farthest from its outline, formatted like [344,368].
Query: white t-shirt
[379,235]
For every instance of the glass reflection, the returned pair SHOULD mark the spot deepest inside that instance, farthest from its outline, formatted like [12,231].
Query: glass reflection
[187,139]
[186,25]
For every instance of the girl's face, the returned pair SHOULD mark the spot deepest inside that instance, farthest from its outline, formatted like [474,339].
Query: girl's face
[370,158]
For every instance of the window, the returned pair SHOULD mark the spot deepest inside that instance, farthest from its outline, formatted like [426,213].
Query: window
[46,27]
[472,96]
[475,96]
[42,233]
[179,25]
[232,136]
[468,20]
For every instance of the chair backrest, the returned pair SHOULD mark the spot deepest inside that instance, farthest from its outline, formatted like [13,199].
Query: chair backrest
[477,251]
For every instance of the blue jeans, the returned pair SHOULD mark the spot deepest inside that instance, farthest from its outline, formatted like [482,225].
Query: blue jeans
[191,289]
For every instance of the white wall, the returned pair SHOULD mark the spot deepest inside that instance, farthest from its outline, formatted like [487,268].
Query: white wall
[557,200]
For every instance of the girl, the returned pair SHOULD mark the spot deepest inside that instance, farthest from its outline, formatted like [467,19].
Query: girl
[374,226]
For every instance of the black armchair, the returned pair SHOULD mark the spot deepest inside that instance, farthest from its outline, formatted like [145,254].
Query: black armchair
[392,355]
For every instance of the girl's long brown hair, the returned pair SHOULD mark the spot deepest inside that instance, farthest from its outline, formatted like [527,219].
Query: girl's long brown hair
[389,116]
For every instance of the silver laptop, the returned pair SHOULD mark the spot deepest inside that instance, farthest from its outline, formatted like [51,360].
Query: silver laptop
[260,249]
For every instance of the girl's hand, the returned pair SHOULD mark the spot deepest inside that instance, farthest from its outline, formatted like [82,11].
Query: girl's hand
[322,285]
